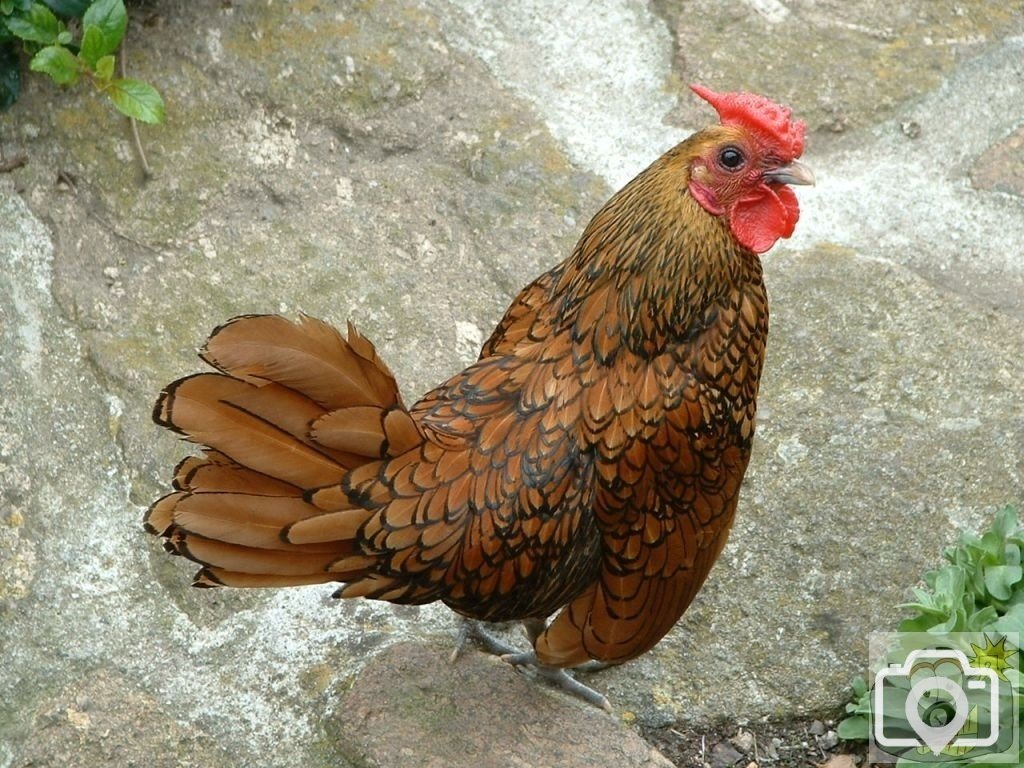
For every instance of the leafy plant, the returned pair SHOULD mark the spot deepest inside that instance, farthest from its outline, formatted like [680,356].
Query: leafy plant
[981,589]
[42,29]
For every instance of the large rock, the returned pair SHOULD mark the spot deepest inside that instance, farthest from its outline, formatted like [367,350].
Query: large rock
[413,706]
[841,66]
[411,171]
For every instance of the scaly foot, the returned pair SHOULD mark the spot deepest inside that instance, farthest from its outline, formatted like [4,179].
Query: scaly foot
[560,677]
[471,628]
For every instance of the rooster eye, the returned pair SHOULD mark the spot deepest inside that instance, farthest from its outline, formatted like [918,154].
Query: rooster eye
[731,158]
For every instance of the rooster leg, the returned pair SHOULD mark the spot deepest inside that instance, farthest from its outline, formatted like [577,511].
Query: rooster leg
[535,628]
[560,677]
[517,658]
[471,628]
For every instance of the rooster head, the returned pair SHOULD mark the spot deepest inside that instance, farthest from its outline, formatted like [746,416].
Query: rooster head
[744,165]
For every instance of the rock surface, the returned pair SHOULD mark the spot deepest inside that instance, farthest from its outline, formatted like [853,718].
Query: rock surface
[412,706]
[411,169]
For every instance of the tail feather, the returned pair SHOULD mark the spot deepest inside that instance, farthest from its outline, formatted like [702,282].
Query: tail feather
[377,587]
[236,557]
[310,357]
[326,527]
[401,432]
[295,407]
[331,498]
[375,370]
[367,430]
[237,518]
[206,407]
[195,473]
[159,518]
[359,429]
[218,577]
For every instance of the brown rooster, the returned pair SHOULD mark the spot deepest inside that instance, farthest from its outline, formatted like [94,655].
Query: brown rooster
[585,468]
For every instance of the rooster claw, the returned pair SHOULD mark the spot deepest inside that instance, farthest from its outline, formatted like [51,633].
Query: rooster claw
[559,677]
[517,658]
[474,629]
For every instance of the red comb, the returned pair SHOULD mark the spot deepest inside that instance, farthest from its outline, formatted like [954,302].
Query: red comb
[770,121]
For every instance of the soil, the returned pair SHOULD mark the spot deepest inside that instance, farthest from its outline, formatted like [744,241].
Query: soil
[804,743]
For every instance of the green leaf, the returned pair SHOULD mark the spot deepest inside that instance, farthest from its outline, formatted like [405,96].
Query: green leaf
[999,580]
[65,37]
[1005,522]
[925,610]
[10,76]
[950,581]
[136,99]
[68,8]
[39,25]
[105,68]
[111,19]
[1011,554]
[954,623]
[860,686]
[58,62]
[94,46]
[992,543]
[1012,621]
[7,7]
[856,728]
[982,619]
[917,624]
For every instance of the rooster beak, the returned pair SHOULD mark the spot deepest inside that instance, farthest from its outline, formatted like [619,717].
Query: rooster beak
[793,173]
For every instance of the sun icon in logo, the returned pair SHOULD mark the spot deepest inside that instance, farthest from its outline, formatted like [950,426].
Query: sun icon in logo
[994,656]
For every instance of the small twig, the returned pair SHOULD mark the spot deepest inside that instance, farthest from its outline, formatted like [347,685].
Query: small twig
[69,181]
[17,161]
[146,170]
[63,177]
[121,235]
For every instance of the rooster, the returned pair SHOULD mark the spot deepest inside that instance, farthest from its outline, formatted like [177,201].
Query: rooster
[580,477]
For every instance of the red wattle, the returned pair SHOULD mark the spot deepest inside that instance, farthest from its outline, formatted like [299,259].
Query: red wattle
[764,216]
